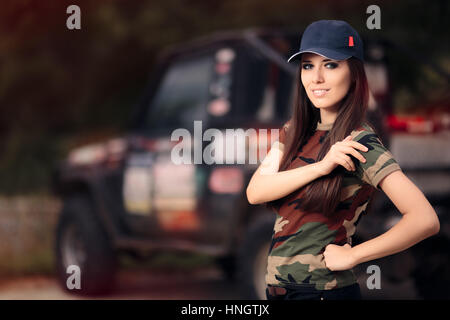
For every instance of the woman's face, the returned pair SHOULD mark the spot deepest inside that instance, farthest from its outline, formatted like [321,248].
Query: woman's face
[326,81]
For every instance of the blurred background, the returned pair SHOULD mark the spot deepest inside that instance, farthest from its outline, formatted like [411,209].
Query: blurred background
[111,86]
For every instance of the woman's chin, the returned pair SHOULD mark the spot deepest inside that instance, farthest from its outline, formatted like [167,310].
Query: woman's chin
[325,105]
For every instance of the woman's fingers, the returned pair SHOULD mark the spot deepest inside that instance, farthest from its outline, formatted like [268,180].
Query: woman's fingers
[349,142]
[358,146]
[341,150]
[345,161]
[350,163]
[353,152]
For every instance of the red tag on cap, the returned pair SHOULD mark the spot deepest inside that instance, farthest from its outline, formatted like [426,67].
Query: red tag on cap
[350,41]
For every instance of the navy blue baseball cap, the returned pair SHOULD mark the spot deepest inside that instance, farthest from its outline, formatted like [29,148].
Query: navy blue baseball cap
[333,39]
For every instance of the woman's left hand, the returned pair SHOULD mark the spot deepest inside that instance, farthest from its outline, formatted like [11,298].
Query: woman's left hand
[338,258]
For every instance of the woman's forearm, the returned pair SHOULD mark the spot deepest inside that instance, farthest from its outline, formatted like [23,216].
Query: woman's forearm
[267,187]
[411,229]
[419,220]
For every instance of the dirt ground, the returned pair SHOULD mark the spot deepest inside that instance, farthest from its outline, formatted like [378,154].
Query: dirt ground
[199,284]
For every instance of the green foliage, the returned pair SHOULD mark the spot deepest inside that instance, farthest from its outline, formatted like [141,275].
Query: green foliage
[27,162]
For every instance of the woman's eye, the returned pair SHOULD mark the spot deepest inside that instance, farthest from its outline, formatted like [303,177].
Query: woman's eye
[307,66]
[331,65]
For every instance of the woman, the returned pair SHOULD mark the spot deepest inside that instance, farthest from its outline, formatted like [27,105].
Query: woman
[322,172]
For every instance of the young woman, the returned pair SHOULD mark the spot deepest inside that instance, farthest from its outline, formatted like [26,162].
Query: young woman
[321,174]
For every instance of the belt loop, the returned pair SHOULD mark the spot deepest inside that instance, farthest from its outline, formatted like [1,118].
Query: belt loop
[276,291]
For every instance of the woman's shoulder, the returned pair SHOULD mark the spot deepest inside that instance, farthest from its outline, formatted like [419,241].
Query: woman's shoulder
[379,160]
[364,131]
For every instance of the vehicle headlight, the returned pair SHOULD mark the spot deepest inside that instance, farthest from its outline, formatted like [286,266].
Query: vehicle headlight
[88,155]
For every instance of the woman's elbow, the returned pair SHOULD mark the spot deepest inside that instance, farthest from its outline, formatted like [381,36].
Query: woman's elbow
[433,225]
[251,197]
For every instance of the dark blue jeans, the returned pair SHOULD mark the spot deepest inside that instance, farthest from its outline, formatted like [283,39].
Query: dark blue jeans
[351,292]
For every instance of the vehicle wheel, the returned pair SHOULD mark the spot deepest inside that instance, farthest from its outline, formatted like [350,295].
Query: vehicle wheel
[432,274]
[81,241]
[228,266]
[252,259]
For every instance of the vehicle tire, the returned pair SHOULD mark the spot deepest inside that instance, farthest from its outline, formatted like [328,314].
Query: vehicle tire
[432,274]
[81,241]
[252,259]
[228,266]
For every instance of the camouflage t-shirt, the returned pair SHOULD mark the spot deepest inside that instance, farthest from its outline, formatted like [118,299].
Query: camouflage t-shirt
[299,238]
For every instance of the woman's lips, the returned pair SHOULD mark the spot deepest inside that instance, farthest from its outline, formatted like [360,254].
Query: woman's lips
[318,93]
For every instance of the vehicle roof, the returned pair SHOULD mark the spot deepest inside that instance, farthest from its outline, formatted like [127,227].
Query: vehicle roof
[227,36]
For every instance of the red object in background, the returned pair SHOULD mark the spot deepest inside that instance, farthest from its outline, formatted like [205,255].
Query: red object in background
[222,68]
[430,118]
[411,124]
[226,180]
[350,41]
[178,220]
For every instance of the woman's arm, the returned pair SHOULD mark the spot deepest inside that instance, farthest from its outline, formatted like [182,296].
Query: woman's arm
[268,184]
[419,221]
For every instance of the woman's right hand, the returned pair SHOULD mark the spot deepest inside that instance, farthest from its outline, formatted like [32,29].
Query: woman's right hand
[338,155]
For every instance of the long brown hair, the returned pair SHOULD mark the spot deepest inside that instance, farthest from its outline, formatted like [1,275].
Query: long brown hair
[323,194]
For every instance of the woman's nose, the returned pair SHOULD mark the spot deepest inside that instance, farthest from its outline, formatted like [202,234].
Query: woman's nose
[318,76]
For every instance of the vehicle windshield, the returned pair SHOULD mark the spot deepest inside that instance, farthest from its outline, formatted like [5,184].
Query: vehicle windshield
[182,95]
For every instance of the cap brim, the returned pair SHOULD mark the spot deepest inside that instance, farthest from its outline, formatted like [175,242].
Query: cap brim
[326,53]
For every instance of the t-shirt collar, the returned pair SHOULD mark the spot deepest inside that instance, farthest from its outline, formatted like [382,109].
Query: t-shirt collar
[324,126]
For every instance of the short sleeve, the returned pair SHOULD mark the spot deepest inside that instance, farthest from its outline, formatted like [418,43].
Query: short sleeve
[379,160]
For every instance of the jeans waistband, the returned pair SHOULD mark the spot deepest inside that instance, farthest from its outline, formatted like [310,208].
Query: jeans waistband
[306,287]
